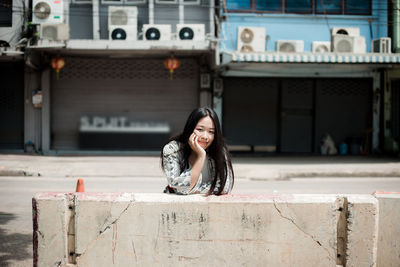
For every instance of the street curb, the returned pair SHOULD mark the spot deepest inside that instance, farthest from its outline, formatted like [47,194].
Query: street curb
[4,172]
[281,176]
[306,174]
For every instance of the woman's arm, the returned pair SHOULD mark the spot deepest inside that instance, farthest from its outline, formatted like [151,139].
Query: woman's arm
[199,157]
[181,181]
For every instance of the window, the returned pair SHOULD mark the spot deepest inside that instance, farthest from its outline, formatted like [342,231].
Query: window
[6,13]
[166,1]
[328,7]
[269,5]
[340,7]
[298,6]
[238,5]
[191,2]
[358,7]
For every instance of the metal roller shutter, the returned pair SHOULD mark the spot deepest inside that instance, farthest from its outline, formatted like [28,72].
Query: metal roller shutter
[138,89]
[343,109]
[250,111]
[12,105]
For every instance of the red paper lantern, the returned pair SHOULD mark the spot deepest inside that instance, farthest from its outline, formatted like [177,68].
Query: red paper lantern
[57,63]
[171,64]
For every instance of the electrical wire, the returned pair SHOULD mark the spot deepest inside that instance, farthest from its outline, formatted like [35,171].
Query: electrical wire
[326,17]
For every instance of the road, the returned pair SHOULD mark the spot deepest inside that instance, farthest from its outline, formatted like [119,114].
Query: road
[16,195]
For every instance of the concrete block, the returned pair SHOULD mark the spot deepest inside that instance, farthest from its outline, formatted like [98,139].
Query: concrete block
[389,230]
[95,213]
[362,230]
[232,230]
[50,226]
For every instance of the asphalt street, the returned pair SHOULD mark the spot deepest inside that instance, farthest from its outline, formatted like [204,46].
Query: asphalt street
[16,195]
[21,176]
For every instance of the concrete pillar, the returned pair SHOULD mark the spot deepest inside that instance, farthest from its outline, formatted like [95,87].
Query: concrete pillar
[46,78]
[51,217]
[362,230]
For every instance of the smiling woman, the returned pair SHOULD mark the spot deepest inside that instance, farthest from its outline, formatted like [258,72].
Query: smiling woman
[197,160]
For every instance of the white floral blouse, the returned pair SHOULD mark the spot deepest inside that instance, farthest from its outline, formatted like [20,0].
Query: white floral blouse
[180,180]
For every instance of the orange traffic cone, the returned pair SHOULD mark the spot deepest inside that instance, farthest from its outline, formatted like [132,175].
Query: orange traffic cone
[80,187]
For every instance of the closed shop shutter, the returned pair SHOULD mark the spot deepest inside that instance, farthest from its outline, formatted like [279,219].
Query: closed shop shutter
[12,105]
[296,115]
[300,110]
[138,89]
[343,110]
[250,111]
[395,109]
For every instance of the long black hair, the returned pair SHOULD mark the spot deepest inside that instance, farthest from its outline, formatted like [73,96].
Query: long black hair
[218,150]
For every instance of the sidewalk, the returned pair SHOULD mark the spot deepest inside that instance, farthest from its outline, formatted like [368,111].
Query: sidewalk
[253,168]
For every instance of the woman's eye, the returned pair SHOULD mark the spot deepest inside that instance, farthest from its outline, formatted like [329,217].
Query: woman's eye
[199,130]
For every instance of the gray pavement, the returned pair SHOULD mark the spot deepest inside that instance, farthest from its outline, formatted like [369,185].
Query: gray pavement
[250,167]
[21,176]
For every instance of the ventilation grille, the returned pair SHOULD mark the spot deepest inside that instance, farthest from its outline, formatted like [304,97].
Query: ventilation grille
[114,69]
[119,17]
[345,87]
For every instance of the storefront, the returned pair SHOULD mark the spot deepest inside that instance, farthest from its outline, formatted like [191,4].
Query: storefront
[120,104]
[293,114]
[12,104]
[277,102]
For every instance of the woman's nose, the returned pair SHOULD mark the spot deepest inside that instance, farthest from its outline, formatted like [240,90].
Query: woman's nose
[204,135]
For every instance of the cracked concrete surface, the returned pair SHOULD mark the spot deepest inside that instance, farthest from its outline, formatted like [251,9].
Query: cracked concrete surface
[307,234]
[157,229]
[91,225]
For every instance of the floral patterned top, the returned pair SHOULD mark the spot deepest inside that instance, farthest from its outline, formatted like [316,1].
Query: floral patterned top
[179,180]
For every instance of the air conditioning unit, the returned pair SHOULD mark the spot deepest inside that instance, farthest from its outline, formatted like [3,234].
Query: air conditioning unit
[290,46]
[55,32]
[47,11]
[193,32]
[122,22]
[382,45]
[348,44]
[156,32]
[346,31]
[321,47]
[251,39]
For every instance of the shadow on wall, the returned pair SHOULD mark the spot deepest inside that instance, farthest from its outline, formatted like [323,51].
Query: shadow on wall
[14,246]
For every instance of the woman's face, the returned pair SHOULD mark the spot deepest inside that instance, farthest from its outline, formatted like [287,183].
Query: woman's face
[205,130]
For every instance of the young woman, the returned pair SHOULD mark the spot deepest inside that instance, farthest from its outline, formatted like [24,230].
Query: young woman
[197,160]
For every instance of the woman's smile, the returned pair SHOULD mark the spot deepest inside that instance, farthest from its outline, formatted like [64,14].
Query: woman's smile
[203,144]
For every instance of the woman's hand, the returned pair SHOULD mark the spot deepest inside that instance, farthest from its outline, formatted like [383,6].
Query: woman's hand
[194,145]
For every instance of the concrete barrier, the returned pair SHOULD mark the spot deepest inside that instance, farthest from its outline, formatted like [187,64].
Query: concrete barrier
[126,229]
[389,229]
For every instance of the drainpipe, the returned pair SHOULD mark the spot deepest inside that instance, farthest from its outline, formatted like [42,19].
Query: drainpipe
[181,15]
[96,19]
[396,21]
[151,12]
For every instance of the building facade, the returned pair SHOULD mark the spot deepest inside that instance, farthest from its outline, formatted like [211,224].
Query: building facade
[130,73]
[295,71]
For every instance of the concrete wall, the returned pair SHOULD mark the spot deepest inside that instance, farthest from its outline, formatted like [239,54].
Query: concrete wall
[126,229]
[313,27]
[389,229]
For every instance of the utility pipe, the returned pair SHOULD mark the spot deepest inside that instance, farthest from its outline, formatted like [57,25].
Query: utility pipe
[96,19]
[151,12]
[396,21]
